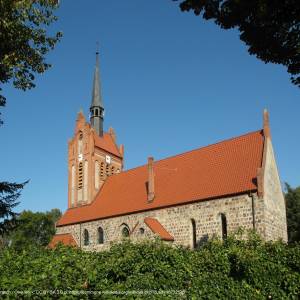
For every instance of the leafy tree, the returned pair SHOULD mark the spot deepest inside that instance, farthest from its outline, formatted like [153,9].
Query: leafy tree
[292,197]
[9,193]
[271,29]
[23,45]
[34,229]
[55,214]
[24,41]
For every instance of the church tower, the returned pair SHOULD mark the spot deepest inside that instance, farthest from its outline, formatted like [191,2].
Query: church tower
[93,154]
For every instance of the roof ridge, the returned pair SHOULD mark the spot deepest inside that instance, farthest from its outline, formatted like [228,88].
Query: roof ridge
[189,151]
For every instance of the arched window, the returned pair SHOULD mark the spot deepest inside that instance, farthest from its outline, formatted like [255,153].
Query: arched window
[224,226]
[96,112]
[100,235]
[80,142]
[97,175]
[85,178]
[102,173]
[73,185]
[86,237]
[80,183]
[194,234]
[125,231]
[112,170]
[107,170]
[80,175]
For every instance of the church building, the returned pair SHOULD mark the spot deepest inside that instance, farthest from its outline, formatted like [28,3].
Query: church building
[183,199]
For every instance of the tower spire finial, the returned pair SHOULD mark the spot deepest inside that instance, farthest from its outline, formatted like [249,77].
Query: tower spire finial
[97,47]
[97,108]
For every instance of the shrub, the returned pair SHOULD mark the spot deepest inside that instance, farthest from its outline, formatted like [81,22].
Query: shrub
[234,269]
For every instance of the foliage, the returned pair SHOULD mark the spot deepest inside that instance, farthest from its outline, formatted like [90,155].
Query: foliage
[34,229]
[271,29]
[292,197]
[9,193]
[235,269]
[24,41]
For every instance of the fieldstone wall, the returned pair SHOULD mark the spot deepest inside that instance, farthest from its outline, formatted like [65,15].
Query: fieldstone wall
[177,221]
[274,202]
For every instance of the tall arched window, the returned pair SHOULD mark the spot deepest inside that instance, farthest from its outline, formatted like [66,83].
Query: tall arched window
[80,142]
[100,235]
[73,185]
[125,231]
[224,226]
[85,178]
[80,182]
[97,174]
[112,170]
[86,237]
[107,170]
[194,233]
[102,172]
[80,175]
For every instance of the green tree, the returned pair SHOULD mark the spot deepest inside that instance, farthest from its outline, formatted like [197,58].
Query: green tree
[24,41]
[271,29]
[23,45]
[9,194]
[34,229]
[292,197]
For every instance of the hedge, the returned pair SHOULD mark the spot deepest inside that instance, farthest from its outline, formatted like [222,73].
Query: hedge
[234,269]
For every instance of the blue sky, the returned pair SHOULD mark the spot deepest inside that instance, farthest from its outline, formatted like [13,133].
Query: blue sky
[171,82]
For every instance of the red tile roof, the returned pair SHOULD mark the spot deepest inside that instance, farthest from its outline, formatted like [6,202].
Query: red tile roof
[226,168]
[107,143]
[158,229]
[66,239]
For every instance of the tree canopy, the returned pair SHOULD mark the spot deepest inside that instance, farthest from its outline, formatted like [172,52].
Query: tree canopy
[270,28]
[9,194]
[24,41]
[292,197]
[23,45]
[34,229]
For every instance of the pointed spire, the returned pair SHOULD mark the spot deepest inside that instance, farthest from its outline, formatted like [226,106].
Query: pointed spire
[97,108]
[96,93]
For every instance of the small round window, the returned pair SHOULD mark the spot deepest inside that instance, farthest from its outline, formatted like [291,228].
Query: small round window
[142,230]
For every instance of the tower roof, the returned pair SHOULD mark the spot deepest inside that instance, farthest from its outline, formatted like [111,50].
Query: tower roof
[96,93]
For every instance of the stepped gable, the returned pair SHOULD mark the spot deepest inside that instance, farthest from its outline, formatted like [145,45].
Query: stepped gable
[106,143]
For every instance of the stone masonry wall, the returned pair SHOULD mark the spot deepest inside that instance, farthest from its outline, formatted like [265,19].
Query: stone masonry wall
[274,203]
[176,220]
